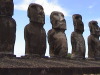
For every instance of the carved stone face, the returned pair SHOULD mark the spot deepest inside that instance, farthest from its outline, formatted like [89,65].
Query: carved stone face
[57,20]
[6,8]
[78,24]
[36,13]
[94,28]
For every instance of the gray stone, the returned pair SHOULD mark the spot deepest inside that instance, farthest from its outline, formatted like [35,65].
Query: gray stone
[56,36]
[7,27]
[6,7]
[93,40]
[34,33]
[77,40]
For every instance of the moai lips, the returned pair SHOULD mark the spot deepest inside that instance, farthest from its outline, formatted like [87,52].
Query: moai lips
[56,36]
[77,40]
[34,33]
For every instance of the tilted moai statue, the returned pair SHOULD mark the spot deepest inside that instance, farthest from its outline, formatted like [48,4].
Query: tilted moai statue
[77,40]
[7,27]
[34,33]
[56,36]
[93,40]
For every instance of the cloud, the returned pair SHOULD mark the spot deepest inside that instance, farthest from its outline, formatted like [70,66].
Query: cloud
[91,6]
[48,6]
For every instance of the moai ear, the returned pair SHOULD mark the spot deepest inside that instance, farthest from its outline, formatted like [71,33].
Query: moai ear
[29,10]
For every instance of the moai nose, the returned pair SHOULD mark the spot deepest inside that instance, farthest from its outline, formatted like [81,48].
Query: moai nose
[61,17]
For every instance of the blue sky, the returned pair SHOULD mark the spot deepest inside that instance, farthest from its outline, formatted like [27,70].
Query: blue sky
[89,9]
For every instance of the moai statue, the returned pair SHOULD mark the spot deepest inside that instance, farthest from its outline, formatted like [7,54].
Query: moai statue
[34,33]
[93,41]
[56,36]
[7,28]
[77,40]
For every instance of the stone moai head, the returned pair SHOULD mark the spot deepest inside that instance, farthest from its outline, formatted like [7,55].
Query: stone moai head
[36,13]
[94,28]
[78,24]
[6,8]
[57,20]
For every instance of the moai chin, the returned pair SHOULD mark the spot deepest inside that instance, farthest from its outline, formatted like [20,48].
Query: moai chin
[77,40]
[56,36]
[7,28]
[93,41]
[34,33]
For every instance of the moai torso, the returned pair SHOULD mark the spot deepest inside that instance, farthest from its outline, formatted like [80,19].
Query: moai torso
[93,41]
[34,33]
[77,40]
[56,36]
[7,27]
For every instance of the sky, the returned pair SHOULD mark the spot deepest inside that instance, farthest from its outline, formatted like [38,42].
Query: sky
[89,9]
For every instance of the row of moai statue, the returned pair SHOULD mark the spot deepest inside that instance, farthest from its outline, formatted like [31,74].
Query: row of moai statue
[35,35]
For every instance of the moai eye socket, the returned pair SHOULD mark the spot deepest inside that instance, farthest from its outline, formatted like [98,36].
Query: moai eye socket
[63,20]
[62,15]
[32,6]
[94,23]
[6,7]
[76,17]
[55,16]
[58,16]
[40,10]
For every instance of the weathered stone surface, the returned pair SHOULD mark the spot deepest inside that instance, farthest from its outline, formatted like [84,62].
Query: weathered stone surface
[50,66]
[56,36]
[93,40]
[7,27]
[77,40]
[34,33]
[98,52]
[6,7]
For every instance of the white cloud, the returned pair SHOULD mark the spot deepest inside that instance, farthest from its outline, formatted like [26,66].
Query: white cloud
[91,6]
[48,6]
